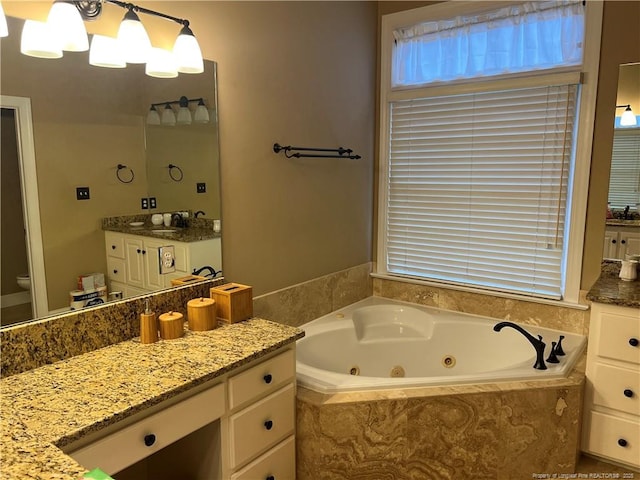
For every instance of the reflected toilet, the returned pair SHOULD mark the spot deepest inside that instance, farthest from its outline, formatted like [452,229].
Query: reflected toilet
[24,281]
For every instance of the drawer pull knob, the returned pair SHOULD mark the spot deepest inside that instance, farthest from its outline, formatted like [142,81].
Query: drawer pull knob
[113,247]
[270,477]
[267,378]
[633,342]
[622,442]
[628,393]
[115,271]
[149,439]
[268,424]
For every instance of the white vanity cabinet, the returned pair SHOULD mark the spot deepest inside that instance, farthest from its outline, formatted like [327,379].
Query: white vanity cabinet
[239,427]
[618,241]
[611,427]
[133,261]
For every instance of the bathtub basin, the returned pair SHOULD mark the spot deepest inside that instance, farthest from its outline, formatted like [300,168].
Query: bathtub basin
[379,343]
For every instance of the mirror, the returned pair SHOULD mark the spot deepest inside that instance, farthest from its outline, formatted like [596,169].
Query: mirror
[85,121]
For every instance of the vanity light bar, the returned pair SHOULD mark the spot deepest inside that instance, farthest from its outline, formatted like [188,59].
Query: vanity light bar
[64,30]
[168,116]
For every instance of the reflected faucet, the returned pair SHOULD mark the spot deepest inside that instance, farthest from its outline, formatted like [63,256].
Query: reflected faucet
[537,343]
[199,212]
[212,272]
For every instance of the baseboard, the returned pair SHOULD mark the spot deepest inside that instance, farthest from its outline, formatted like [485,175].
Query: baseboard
[12,299]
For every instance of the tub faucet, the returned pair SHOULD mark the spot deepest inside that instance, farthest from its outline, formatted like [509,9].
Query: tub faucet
[537,343]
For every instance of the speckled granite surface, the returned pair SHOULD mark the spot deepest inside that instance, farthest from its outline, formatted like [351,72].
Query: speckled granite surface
[199,228]
[63,336]
[611,290]
[54,405]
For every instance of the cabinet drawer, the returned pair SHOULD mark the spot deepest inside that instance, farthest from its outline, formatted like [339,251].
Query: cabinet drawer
[261,425]
[262,378]
[114,244]
[617,388]
[127,446]
[616,331]
[608,432]
[115,269]
[278,463]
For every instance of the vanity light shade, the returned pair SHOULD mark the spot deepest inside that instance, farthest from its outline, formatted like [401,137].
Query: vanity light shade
[628,119]
[133,39]
[106,52]
[187,52]
[168,117]
[161,64]
[153,117]
[184,116]
[4,31]
[67,25]
[201,114]
[38,41]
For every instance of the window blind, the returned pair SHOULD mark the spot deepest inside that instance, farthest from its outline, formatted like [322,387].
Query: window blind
[624,183]
[477,188]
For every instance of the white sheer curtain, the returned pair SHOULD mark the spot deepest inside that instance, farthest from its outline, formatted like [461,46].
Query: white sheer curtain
[512,39]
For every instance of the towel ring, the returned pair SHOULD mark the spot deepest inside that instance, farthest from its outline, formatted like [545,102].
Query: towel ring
[124,167]
[176,178]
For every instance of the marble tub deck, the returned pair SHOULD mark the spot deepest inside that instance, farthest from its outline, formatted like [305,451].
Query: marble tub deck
[499,431]
[48,408]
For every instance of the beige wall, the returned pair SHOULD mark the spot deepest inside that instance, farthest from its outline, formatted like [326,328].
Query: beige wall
[621,24]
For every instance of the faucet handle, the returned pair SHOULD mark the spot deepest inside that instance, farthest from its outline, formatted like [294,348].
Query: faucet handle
[558,350]
[552,356]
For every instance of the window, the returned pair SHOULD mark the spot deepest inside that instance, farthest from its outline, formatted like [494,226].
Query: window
[483,179]
[624,183]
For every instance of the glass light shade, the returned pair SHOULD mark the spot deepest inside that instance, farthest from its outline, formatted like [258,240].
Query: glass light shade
[168,117]
[133,39]
[184,116]
[628,119]
[38,41]
[106,52]
[201,114]
[161,64]
[153,117]
[67,25]
[4,31]
[187,52]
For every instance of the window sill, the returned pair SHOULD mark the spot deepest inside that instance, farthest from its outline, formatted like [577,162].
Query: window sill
[479,291]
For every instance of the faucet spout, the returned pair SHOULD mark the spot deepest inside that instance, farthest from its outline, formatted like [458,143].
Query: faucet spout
[537,343]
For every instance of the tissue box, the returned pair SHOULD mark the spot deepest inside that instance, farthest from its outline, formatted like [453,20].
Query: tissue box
[234,302]
[186,280]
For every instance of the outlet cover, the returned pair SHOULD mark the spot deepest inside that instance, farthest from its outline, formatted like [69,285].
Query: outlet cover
[152,202]
[82,193]
[201,187]
[144,203]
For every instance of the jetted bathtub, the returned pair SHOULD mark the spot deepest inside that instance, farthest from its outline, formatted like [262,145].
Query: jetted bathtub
[379,343]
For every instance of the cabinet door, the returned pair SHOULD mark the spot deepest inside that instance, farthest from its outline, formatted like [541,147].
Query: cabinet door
[134,249]
[151,259]
[610,244]
[629,243]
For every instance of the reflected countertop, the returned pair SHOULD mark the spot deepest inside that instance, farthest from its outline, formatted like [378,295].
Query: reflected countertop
[47,408]
[615,222]
[611,290]
[189,234]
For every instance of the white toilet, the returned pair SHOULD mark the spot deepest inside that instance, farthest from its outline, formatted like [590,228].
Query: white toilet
[24,281]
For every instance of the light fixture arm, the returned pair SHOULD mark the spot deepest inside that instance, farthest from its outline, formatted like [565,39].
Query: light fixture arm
[183,102]
[92,9]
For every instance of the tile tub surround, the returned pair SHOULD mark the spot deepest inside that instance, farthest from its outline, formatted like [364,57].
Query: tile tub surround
[52,406]
[520,311]
[309,300]
[46,341]
[501,431]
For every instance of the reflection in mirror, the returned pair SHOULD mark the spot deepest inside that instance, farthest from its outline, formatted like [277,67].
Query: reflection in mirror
[86,121]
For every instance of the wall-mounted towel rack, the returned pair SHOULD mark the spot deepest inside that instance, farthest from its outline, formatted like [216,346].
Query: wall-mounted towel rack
[290,152]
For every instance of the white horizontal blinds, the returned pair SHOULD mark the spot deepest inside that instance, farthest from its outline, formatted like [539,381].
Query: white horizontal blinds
[515,38]
[477,188]
[624,184]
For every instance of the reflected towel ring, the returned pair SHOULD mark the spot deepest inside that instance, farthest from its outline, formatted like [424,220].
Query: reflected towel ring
[124,167]
[175,178]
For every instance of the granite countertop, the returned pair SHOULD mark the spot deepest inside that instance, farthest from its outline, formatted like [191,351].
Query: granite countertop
[50,407]
[615,222]
[190,234]
[613,291]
